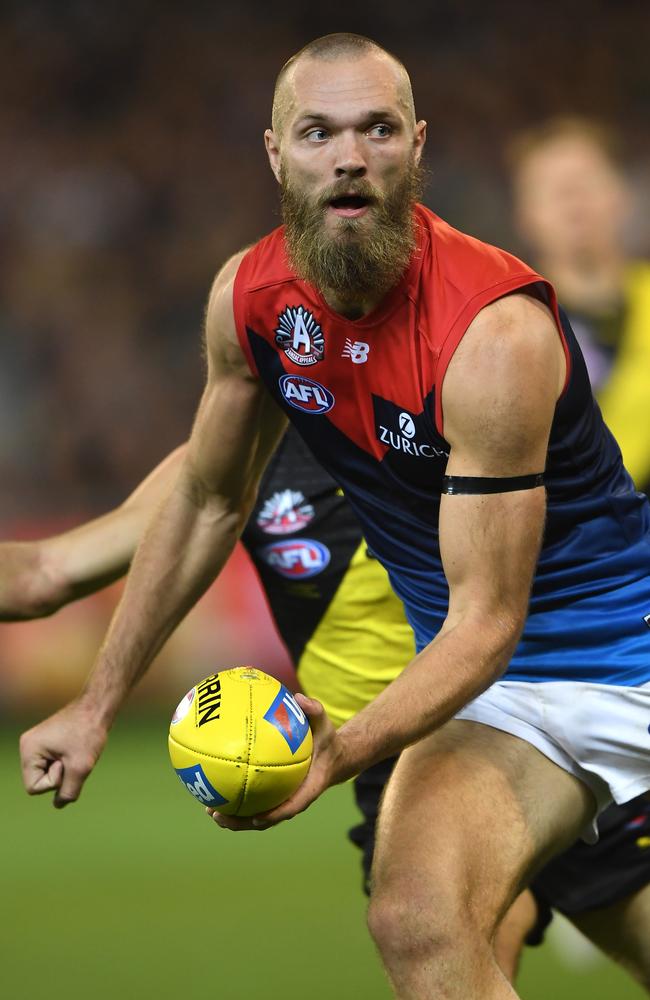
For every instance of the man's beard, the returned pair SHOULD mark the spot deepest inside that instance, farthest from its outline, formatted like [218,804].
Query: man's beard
[366,256]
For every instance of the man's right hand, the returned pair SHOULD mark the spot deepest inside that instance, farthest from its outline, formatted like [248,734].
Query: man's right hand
[58,754]
[186,544]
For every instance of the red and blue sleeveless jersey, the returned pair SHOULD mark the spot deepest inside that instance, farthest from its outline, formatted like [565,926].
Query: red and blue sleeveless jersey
[366,397]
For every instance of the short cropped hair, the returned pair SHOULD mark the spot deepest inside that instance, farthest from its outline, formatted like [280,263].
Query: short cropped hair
[529,141]
[330,48]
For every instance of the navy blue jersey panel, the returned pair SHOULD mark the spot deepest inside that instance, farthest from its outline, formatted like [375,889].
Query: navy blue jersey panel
[591,592]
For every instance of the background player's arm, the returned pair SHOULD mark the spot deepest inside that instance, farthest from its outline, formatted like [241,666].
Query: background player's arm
[187,543]
[499,397]
[39,577]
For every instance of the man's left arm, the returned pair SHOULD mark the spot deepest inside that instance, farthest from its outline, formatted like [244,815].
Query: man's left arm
[499,396]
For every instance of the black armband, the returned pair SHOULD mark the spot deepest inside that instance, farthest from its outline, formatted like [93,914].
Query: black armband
[456,485]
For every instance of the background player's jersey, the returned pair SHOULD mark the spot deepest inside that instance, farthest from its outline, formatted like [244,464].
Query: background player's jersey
[616,346]
[365,396]
[332,602]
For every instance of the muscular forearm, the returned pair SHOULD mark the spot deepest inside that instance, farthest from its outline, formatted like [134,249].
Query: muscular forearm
[184,548]
[463,660]
[88,558]
[188,540]
[27,587]
[37,578]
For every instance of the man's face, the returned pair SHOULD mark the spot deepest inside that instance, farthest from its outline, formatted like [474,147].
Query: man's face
[570,201]
[347,160]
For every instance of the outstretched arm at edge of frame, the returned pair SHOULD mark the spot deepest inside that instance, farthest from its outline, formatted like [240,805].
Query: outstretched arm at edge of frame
[39,577]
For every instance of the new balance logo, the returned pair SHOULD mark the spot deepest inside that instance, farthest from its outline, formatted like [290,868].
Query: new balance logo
[357,351]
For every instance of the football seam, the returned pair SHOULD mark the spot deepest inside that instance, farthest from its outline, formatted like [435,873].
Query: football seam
[251,725]
[235,760]
[292,763]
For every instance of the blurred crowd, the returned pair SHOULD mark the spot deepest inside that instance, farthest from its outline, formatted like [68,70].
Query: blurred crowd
[132,165]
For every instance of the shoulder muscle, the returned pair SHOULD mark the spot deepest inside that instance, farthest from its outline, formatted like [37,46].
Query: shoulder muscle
[222,344]
[501,387]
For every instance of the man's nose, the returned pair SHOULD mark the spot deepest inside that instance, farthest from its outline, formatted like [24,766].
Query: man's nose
[350,161]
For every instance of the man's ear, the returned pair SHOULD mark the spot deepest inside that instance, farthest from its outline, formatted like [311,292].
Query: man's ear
[273,152]
[419,139]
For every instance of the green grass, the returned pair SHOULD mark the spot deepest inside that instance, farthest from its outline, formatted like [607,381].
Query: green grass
[134,893]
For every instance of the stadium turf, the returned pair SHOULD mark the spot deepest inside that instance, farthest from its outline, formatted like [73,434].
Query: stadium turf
[134,893]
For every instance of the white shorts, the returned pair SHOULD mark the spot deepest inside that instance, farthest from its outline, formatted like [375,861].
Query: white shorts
[598,732]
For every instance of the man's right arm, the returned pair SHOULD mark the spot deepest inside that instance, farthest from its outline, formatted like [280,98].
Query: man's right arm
[187,543]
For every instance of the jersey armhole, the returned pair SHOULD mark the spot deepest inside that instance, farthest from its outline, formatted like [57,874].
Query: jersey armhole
[239,311]
[540,288]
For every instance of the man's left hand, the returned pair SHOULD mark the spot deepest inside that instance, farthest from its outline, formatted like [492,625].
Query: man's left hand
[324,771]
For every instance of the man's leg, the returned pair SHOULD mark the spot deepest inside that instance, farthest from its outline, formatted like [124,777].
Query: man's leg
[469,813]
[521,919]
[622,931]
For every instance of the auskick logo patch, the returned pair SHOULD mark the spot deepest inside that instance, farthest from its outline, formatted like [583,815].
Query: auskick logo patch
[304,394]
[288,718]
[296,558]
[196,782]
[300,336]
[285,512]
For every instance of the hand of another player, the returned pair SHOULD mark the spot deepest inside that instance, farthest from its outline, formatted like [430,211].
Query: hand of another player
[58,754]
[321,774]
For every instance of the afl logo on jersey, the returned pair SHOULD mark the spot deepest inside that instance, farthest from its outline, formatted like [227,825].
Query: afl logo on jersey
[300,336]
[304,394]
[285,512]
[296,558]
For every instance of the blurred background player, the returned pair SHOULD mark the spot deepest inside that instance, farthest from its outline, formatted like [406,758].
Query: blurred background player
[573,205]
[347,636]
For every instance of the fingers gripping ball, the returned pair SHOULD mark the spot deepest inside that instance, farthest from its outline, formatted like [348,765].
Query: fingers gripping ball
[240,742]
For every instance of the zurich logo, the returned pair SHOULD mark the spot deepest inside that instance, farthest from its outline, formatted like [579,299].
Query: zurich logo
[296,558]
[406,425]
[304,394]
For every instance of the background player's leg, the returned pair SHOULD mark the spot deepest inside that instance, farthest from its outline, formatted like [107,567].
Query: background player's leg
[468,813]
[622,931]
[512,933]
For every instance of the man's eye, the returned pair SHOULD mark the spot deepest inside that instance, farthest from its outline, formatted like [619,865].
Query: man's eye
[380,131]
[316,135]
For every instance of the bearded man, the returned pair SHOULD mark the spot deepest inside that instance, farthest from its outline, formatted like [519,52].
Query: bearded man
[448,397]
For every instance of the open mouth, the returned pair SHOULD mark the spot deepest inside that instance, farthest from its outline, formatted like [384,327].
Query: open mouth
[350,204]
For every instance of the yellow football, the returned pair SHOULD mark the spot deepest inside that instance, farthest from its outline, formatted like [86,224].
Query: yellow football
[240,742]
